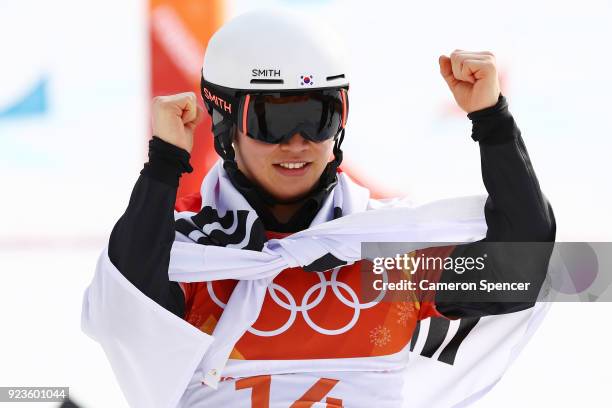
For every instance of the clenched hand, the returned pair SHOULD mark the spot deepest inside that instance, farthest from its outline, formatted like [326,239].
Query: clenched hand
[472,78]
[175,117]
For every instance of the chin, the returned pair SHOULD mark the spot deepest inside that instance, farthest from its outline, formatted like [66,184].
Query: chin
[289,197]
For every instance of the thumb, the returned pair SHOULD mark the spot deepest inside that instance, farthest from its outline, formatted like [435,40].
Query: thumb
[198,119]
[446,71]
[186,101]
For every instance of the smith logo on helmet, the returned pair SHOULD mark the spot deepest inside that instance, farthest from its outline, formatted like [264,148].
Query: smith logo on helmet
[265,72]
[221,103]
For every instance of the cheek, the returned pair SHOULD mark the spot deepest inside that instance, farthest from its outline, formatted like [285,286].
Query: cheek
[253,153]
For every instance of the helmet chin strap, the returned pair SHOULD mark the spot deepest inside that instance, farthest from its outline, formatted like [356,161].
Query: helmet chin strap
[223,135]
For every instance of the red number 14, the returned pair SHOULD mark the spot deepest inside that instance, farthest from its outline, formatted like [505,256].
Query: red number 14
[260,393]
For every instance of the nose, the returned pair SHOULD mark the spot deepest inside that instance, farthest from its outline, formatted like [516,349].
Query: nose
[296,143]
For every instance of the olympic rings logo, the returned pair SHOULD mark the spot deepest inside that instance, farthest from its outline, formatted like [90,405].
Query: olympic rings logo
[306,305]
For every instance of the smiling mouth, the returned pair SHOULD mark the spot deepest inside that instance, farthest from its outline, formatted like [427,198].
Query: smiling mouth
[296,168]
[292,165]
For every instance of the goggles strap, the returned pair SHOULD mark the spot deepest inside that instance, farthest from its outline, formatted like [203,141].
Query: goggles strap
[337,151]
[329,178]
[223,139]
[216,98]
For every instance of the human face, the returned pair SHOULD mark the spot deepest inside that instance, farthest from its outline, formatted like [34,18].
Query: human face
[268,165]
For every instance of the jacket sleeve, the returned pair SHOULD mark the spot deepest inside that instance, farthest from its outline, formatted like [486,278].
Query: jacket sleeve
[516,213]
[140,243]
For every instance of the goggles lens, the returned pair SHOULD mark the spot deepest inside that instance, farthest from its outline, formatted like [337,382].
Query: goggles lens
[273,117]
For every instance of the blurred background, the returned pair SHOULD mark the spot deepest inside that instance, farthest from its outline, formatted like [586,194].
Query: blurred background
[76,79]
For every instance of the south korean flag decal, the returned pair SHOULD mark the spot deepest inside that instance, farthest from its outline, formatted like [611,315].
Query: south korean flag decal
[306,80]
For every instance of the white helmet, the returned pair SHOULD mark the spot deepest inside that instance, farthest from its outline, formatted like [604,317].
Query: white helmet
[270,49]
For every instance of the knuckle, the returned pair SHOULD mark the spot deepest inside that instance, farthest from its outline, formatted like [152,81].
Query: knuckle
[162,103]
[184,95]
[159,104]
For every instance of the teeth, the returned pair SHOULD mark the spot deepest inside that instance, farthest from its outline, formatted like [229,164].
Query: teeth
[292,165]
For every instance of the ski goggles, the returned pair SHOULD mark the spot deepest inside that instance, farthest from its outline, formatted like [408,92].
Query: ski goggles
[275,116]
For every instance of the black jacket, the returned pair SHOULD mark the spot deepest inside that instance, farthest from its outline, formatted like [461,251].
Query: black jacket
[516,210]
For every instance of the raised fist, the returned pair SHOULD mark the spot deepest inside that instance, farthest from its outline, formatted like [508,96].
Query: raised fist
[472,78]
[175,117]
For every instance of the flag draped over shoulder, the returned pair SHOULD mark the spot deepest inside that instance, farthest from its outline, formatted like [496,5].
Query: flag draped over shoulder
[155,354]
[454,363]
